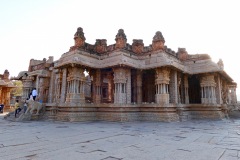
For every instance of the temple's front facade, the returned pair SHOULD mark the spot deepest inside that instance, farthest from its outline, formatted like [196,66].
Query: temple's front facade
[129,82]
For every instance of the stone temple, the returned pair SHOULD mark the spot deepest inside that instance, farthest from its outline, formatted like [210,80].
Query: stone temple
[129,82]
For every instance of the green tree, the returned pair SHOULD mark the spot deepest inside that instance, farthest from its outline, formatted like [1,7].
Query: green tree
[19,88]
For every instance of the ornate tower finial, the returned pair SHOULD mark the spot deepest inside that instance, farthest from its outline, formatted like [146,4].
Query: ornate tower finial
[79,37]
[220,63]
[121,34]
[121,39]
[79,34]
[158,37]
[6,75]
[158,41]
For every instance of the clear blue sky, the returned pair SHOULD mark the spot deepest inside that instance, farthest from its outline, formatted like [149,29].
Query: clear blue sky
[41,28]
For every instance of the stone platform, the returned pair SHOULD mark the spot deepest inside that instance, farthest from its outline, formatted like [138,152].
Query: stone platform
[132,112]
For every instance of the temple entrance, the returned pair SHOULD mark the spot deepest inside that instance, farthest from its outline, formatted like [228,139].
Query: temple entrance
[133,86]
[107,86]
[194,90]
[148,86]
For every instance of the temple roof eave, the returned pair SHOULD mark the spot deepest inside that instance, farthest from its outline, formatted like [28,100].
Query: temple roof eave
[207,66]
[3,83]
[120,58]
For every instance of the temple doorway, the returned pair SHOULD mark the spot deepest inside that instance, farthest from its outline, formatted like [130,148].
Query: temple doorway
[194,90]
[107,86]
[148,86]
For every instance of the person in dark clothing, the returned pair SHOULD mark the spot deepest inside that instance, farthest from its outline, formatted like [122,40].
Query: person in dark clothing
[1,108]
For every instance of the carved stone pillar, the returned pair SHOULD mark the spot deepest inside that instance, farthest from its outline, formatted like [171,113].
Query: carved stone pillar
[37,83]
[51,87]
[139,87]
[162,85]
[173,87]
[120,82]
[58,84]
[208,87]
[64,85]
[7,101]
[186,89]
[178,88]
[128,85]
[75,85]
[218,90]
[97,86]
[110,86]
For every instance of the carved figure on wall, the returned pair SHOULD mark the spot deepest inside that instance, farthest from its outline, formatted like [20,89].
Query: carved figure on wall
[100,46]
[121,39]
[158,41]
[137,46]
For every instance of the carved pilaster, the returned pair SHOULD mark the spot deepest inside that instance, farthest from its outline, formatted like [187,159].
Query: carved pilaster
[218,90]
[178,88]
[97,86]
[139,86]
[51,87]
[173,87]
[64,85]
[58,84]
[186,89]
[128,85]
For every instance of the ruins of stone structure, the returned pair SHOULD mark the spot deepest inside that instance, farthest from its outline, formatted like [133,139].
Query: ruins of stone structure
[129,82]
[5,88]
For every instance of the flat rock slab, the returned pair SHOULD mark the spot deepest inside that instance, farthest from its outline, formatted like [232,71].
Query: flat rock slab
[48,140]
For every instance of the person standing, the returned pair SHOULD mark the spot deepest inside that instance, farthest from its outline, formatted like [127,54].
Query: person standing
[34,93]
[25,105]
[17,108]
[1,108]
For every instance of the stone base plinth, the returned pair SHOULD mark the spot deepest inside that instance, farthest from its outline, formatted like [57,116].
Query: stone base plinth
[201,111]
[132,112]
[162,98]
[111,112]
